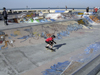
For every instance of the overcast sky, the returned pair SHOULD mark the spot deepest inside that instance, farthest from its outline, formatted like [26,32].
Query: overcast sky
[49,3]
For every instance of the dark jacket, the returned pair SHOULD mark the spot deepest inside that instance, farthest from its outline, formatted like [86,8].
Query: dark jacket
[4,14]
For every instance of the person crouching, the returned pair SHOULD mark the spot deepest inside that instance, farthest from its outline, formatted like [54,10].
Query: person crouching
[50,41]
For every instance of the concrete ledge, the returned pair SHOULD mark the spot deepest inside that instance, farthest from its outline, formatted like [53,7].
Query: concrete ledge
[21,25]
[91,68]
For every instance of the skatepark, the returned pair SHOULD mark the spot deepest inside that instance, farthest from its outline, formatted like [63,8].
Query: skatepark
[23,51]
[28,55]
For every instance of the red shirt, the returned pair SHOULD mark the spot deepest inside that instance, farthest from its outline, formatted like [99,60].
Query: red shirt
[49,39]
[96,9]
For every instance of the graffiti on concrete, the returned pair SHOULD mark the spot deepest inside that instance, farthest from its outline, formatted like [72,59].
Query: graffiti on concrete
[38,33]
[77,61]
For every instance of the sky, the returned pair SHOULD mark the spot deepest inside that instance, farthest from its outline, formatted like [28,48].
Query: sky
[49,3]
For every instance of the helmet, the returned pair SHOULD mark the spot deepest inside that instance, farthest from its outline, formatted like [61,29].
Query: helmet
[53,36]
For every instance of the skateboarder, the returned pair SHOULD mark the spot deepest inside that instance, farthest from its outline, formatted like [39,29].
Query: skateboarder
[50,42]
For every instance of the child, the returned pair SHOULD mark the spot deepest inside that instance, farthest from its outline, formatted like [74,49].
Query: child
[50,41]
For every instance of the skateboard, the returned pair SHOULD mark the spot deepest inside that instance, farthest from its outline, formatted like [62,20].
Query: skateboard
[52,50]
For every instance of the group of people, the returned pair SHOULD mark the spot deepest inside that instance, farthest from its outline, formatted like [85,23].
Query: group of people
[95,9]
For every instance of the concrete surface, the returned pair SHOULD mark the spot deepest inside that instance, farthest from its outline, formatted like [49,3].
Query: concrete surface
[98,73]
[32,60]
[20,25]
[92,68]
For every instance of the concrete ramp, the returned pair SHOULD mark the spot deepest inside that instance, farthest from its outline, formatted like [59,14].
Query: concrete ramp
[91,68]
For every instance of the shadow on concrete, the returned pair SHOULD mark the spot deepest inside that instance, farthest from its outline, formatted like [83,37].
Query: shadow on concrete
[59,45]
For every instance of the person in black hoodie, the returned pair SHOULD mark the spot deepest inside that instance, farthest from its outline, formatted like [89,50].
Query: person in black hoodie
[87,9]
[5,16]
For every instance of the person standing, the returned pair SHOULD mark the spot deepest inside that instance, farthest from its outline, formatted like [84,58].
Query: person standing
[87,9]
[96,9]
[5,15]
[66,7]
[49,9]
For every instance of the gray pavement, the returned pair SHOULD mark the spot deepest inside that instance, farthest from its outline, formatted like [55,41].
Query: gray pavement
[19,61]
